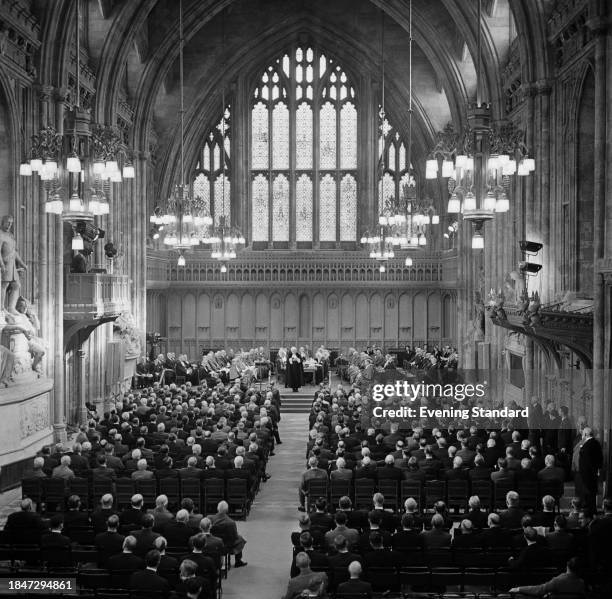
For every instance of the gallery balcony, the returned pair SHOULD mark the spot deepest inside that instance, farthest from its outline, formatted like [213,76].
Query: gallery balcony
[95,297]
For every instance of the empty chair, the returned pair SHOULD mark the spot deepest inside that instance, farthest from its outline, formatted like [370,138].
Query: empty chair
[483,489]
[54,490]
[170,488]
[500,489]
[80,486]
[338,489]
[237,496]
[191,487]
[389,489]
[126,487]
[435,490]
[412,489]
[315,488]
[457,494]
[214,492]
[364,491]
[32,488]
[414,578]
[148,490]
[528,492]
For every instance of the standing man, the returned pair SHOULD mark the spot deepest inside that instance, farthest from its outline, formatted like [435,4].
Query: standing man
[10,265]
[295,370]
[590,461]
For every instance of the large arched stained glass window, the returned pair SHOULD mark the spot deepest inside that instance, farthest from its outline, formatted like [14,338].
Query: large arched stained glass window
[303,159]
[210,187]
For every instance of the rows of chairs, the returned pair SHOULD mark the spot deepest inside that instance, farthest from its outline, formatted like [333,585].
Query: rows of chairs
[206,494]
[437,578]
[455,492]
[32,562]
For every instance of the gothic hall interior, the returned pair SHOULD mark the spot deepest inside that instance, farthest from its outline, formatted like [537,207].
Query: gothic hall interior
[219,218]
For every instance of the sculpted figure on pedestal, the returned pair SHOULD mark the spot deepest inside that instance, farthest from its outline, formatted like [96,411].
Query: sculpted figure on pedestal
[10,265]
[26,322]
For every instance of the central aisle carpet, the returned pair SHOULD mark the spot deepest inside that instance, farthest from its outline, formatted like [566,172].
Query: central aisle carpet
[273,517]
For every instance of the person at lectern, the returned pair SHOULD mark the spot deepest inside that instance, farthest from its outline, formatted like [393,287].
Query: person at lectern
[295,370]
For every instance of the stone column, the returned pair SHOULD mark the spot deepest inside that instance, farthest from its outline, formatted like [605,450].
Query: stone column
[56,298]
[599,215]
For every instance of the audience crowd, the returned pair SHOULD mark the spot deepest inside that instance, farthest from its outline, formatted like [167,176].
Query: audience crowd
[342,538]
[160,433]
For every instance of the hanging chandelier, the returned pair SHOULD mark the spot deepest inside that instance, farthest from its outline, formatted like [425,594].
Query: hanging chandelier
[186,221]
[479,162]
[77,169]
[403,221]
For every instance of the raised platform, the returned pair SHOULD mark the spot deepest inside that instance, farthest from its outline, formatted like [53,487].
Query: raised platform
[25,426]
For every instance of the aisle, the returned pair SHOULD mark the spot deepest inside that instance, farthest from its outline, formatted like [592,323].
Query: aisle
[273,517]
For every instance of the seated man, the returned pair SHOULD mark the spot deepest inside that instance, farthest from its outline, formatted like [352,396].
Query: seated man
[109,543]
[355,586]
[314,583]
[313,473]
[148,579]
[25,526]
[568,583]
[511,517]
[225,528]
[436,537]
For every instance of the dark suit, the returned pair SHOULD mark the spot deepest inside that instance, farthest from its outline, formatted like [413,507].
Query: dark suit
[495,537]
[177,534]
[131,517]
[99,518]
[24,527]
[355,587]
[125,561]
[436,538]
[531,557]
[145,540]
[380,558]
[406,539]
[147,580]
[206,566]
[108,544]
[511,518]
[54,540]
[590,460]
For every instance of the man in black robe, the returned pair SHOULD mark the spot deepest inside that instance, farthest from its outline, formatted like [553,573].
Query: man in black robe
[295,370]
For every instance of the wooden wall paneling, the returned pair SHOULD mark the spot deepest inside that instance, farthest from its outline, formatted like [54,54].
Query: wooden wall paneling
[391,320]
[434,319]
[405,319]
[276,321]
[262,317]
[447,317]
[419,327]
[376,318]
[232,317]
[347,310]
[333,321]
[362,318]
[217,324]
[247,317]
[318,318]
[305,326]
[291,319]
[189,324]
[175,322]
[203,320]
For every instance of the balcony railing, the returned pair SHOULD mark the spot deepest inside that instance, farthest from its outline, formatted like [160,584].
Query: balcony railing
[296,268]
[95,296]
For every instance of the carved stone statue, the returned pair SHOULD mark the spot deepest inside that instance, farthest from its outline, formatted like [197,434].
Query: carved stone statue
[10,265]
[534,310]
[26,322]
[478,323]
